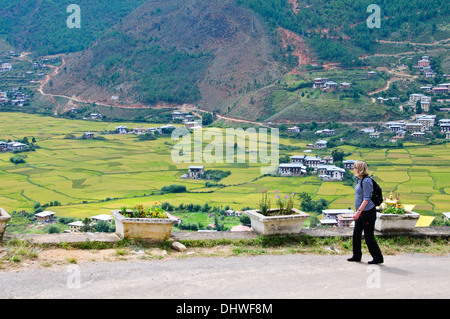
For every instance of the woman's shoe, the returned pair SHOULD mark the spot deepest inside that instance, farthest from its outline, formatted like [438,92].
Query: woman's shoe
[376,261]
[354,259]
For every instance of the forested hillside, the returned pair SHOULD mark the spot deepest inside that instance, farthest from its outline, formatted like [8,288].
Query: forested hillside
[40,25]
[338,28]
[252,59]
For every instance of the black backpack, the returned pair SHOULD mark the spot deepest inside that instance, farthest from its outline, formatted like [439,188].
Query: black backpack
[377,195]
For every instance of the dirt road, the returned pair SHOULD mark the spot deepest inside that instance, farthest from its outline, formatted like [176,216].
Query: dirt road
[267,277]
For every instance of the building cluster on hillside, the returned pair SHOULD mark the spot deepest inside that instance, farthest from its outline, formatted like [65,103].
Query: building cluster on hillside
[418,128]
[187,119]
[49,217]
[327,85]
[424,66]
[324,168]
[13,98]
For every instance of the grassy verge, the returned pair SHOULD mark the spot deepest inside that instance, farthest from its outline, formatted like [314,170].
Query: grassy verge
[16,253]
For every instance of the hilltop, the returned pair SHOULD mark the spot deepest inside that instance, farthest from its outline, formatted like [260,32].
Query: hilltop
[247,59]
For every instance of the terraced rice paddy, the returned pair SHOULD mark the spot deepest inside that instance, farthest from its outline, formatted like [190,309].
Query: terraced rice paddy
[90,177]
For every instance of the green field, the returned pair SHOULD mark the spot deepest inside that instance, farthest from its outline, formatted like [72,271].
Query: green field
[90,177]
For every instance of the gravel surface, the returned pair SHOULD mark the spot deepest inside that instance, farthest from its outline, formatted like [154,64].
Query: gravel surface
[267,277]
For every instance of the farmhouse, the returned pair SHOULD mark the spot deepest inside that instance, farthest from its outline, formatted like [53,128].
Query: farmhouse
[427,121]
[45,217]
[425,62]
[121,129]
[103,218]
[330,173]
[192,125]
[414,127]
[321,144]
[445,127]
[292,169]
[88,135]
[348,164]
[16,146]
[319,83]
[330,217]
[294,129]
[178,115]
[413,98]
[440,90]
[196,172]
[4,67]
[312,161]
[345,220]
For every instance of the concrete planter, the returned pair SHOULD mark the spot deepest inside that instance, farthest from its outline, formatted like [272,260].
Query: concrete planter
[143,228]
[4,219]
[396,223]
[277,225]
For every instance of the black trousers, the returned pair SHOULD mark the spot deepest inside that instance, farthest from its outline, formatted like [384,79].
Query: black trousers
[366,223]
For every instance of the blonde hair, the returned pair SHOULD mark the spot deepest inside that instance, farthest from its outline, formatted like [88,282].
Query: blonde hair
[361,168]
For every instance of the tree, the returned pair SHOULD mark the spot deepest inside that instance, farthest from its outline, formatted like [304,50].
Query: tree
[87,225]
[207,118]
[338,156]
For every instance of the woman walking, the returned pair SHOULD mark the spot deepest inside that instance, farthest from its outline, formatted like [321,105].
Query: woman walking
[365,216]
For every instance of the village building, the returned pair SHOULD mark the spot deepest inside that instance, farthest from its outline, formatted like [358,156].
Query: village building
[345,86]
[330,85]
[414,127]
[445,127]
[192,125]
[418,134]
[321,144]
[196,172]
[121,129]
[95,116]
[427,121]
[103,218]
[5,67]
[375,135]
[319,83]
[294,129]
[330,173]
[312,161]
[326,132]
[292,169]
[348,164]
[88,135]
[413,98]
[424,62]
[440,90]
[178,116]
[75,227]
[345,220]
[45,217]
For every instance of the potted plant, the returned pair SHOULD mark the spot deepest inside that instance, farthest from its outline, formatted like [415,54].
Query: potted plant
[152,223]
[4,219]
[392,215]
[285,219]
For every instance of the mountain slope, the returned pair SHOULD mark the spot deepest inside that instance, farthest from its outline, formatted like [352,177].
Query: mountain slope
[199,51]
